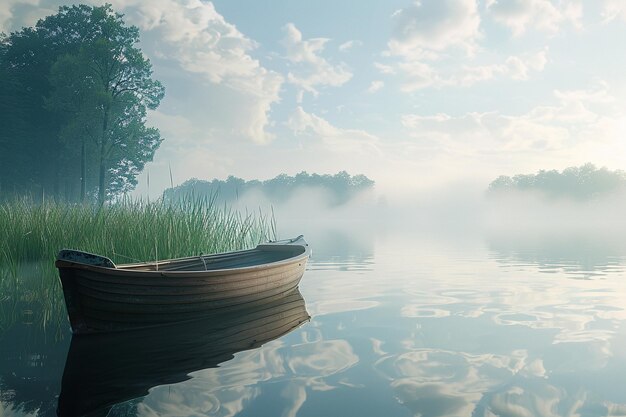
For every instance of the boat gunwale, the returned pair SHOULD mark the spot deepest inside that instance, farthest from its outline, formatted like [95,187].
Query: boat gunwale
[188,258]
[126,270]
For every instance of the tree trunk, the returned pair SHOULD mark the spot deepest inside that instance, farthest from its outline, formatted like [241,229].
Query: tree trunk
[101,190]
[83,172]
[102,175]
[56,191]
[101,181]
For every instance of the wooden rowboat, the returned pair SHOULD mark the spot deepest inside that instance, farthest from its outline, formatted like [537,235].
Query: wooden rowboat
[101,296]
[110,368]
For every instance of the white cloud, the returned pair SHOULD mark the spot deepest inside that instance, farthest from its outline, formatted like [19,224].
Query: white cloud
[579,118]
[299,50]
[173,125]
[542,15]
[613,9]
[375,86]
[352,141]
[519,67]
[432,41]
[311,70]
[193,34]
[17,13]
[314,145]
[357,145]
[6,13]
[418,74]
[427,27]
[573,13]
[384,68]
[515,67]
[349,45]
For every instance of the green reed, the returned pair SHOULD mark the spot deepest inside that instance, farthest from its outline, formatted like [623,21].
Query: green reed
[31,235]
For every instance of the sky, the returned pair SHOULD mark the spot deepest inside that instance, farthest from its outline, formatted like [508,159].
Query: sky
[412,94]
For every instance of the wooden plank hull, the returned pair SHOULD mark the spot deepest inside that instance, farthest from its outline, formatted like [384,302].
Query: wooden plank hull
[104,298]
[105,369]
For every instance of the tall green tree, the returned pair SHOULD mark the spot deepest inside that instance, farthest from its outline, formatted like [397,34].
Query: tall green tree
[93,86]
[12,125]
[74,100]
[579,183]
[29,132]
[113,82]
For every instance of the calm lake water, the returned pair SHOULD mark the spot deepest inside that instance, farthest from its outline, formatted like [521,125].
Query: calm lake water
[399,326]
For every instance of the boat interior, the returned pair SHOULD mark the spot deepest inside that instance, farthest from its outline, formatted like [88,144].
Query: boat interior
[240,259]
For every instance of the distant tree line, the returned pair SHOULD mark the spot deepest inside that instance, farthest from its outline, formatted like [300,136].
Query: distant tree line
[580,183]
[341,187]
[74,90]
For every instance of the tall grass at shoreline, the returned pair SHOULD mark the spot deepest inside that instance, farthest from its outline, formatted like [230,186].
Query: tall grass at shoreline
[128,230]
[31,235]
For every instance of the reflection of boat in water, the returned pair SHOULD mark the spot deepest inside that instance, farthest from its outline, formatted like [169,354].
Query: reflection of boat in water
[106,369]
[101,296]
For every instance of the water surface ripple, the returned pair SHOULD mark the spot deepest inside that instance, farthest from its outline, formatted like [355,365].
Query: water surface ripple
[398,327]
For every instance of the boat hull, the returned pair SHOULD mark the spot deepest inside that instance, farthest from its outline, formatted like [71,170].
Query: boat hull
[103,299]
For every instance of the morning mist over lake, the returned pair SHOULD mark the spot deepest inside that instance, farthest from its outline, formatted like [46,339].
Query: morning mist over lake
[409,208]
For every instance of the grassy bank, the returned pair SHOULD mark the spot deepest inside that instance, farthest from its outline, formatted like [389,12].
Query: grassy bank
[31,235]
[129,230]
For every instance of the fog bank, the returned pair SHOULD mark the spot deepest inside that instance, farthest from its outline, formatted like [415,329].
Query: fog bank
[458,208]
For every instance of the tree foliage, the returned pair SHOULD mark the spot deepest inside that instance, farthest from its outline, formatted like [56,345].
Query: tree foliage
[341,187]
[79,125]
[580,183]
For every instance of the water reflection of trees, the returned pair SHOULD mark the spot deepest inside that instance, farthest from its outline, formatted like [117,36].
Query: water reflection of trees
[341,250]
[579,183]
[34,336]
[31,294]
[31,364]
[580,256]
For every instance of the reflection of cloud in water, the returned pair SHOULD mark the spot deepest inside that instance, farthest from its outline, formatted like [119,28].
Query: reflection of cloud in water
[580,345]
[537,397]
[448,330]
[8,410]
[316,361]
[337,306]
[482,325]
[416,310]
[517,401]
[579,310]
[430,400]
[377,346]
[446,383]
[441,366]
[192,403]
[310,364]
[226,390]
[295,396]
[615,409]
[332,291]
